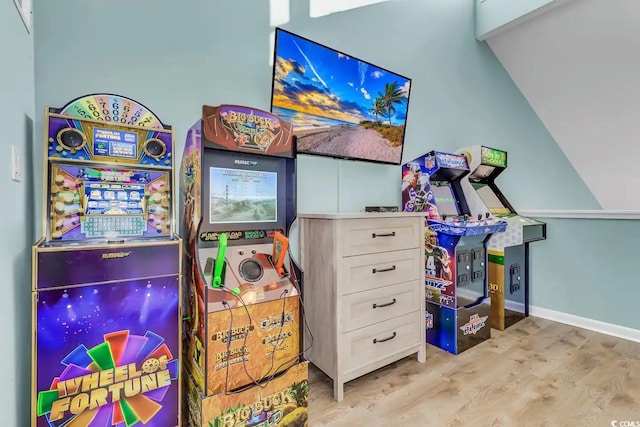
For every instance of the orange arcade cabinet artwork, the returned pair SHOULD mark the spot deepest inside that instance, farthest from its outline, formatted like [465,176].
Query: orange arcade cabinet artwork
[242,316]
[106,274]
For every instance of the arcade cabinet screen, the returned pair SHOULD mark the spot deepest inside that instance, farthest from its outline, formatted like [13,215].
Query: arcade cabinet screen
[445,199]
[93,202]
[340,106]
[490,199]
[238,195]
[243,192]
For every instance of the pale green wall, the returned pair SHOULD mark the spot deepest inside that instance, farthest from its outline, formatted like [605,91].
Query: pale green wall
[589,268]
[16,226]
[174,57]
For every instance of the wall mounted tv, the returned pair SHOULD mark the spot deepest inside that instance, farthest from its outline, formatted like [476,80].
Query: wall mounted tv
[340,106]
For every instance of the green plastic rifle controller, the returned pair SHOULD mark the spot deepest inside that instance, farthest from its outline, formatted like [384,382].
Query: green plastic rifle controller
[219,265]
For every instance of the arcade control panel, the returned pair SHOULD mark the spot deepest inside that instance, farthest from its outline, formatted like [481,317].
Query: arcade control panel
[471,221]
[470,254]
[253,273]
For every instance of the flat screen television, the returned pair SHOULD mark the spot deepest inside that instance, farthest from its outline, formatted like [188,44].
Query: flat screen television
[340,106]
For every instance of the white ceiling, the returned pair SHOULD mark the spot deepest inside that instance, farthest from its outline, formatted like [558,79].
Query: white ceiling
[578,65]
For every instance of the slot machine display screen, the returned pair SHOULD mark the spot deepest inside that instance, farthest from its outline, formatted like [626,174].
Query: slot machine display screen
[93,202]
[445,198]
[490,199]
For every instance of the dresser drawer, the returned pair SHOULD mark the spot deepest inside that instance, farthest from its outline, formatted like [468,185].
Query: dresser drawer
[365,272]
[367,236]
[369,307]
[368,345]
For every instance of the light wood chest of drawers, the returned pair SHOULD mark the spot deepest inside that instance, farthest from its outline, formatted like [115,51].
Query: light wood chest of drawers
[363,291]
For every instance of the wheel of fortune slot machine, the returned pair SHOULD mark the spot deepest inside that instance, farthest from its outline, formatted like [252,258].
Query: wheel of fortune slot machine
[242,335]
[106,273]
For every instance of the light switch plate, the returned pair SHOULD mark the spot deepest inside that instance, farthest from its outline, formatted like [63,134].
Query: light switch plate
[16,167]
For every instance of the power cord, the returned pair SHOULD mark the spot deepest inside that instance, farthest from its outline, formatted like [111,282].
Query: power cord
[264,382]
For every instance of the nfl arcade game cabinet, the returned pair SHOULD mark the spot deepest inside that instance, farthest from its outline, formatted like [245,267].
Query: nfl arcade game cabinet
[457,302]
[106,275]
[242,340]
[508,251]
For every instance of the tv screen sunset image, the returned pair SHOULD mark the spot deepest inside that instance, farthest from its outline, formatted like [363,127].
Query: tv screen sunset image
[340,106]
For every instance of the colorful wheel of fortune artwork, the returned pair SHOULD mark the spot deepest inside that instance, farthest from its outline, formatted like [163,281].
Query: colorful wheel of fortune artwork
[119,382]
[113,109]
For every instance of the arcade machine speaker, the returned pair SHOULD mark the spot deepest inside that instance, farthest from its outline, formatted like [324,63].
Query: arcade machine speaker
[508,251]
[242,329]
[106,282]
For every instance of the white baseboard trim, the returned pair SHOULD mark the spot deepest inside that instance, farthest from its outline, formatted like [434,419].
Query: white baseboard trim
[585,323]
[514,305]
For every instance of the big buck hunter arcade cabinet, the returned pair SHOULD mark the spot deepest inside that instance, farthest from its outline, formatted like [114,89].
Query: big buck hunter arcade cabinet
[242,338]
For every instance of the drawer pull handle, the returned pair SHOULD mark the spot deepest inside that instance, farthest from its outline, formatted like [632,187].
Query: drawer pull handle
[387,304]
[382,270]
[376,340]
[374,235]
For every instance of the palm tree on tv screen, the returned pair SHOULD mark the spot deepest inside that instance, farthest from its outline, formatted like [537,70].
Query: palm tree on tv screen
[392,95]
[378,109]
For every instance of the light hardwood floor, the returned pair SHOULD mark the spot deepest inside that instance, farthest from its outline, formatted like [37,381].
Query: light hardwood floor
[536,373]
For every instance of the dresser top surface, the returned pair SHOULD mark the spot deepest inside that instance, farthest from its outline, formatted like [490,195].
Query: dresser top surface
[360,215]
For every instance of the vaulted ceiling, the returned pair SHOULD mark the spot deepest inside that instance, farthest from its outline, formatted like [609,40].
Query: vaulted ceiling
[578,65]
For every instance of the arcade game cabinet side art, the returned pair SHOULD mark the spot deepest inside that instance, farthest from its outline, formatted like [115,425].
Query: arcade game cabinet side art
[242,340]
[106,283]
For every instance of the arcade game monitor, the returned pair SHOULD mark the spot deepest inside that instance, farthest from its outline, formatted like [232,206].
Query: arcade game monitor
[242,289]
[106,284]
[455,250]
[508,251]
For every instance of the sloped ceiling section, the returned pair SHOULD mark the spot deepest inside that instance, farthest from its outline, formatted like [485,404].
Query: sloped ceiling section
[578,65]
